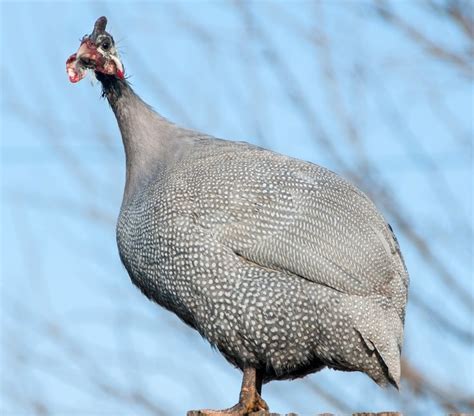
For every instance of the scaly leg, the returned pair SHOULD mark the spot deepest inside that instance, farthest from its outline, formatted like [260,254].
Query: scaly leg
[249,402]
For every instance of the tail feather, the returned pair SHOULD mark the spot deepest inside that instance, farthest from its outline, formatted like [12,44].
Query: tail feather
[384,338]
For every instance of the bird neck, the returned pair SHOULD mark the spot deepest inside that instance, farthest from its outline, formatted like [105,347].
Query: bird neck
[146,135]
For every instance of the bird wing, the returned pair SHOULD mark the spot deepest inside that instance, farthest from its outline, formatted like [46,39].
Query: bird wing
[294,216]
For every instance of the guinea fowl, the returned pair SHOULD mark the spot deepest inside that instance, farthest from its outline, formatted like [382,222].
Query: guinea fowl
[282,265]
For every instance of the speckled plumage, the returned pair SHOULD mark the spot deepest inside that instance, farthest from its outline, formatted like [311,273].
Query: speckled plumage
[281,264]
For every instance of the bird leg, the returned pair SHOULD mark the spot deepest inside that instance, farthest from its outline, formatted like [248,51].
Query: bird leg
[249,402]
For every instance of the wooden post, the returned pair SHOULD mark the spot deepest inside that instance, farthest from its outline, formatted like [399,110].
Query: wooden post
[263,413]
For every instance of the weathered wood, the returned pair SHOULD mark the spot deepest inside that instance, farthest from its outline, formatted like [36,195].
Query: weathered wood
[263,413]
[377,414]
[461,414]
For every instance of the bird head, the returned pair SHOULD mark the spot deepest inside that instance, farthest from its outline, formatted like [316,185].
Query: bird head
[98,53]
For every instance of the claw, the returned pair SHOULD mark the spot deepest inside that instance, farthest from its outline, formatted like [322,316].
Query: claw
[250,403]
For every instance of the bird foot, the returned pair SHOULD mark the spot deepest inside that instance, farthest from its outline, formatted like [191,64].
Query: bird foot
[243,408]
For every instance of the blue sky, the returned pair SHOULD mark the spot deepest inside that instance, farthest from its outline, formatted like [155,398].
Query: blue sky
[72,325]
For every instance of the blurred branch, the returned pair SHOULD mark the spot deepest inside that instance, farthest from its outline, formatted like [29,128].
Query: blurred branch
[86,364]
[337,401]
[433,48]
[366,172]
[446,324]
[378,190]
[336,103]
[451,401]
[61,204]
[460,12]
[54,133]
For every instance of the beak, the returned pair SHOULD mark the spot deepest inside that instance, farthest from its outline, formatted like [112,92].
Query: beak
[88,57]
[76,65]
[86,53]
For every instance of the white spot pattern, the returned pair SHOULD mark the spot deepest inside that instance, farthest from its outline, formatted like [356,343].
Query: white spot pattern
[279,263]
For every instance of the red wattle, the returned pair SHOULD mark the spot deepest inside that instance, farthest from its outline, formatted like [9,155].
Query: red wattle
[74,79]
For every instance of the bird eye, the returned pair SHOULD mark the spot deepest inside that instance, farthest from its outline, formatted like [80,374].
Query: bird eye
[105,45]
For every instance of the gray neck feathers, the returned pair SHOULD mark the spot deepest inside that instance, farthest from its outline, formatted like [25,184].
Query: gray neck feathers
[148,138]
